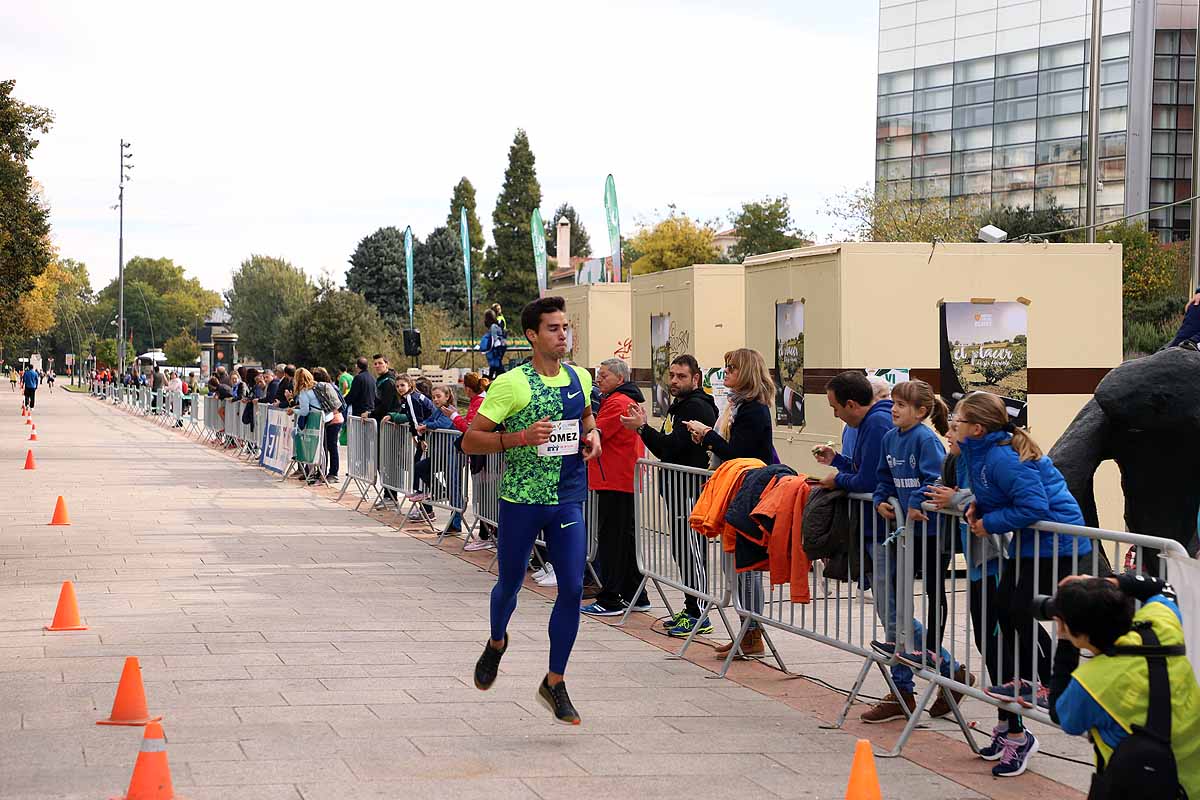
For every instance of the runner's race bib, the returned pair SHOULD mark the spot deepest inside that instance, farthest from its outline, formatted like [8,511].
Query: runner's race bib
[564,439]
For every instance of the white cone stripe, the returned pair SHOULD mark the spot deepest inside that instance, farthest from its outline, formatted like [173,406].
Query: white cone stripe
[154,745]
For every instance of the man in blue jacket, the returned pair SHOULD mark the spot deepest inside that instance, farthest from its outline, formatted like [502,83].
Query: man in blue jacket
[30,380]
[852,399]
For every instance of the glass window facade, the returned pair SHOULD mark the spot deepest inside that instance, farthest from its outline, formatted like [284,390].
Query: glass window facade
[1009,129]
[1173,96]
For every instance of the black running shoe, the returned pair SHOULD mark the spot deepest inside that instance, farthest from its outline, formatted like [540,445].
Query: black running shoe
[556,699]
[488,665]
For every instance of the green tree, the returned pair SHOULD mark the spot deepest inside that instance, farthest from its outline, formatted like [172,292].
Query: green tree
[676,241]
[377,272]
[25,248]
[1023,221]
[509,277]
[336,328]
[265,291]
[464,195]
[438,273]
[765,226]
[105,351]
[581,244]
[159,298]
[182,350]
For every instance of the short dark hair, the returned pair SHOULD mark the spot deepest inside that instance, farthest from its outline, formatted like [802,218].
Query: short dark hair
[379,357]
[1094,608]
[362,363]
[531,315]
[687,360]
[290,371]
[851,385]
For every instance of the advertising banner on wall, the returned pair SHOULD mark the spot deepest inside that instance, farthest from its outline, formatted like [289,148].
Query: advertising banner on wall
[789,363]
[660,362]
[276,450]
[714,384]
[892,376]
[984,348]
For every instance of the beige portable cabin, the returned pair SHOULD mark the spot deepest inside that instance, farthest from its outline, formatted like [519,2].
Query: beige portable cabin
[877,305]
[600,316]
[698,310]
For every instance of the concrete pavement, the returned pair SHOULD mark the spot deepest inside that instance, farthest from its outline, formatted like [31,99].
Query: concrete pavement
[297,649]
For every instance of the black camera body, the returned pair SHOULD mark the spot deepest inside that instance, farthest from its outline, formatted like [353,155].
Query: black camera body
[1043,607]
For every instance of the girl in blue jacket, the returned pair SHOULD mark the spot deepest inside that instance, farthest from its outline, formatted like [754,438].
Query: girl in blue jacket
[912,463]
[1016,486]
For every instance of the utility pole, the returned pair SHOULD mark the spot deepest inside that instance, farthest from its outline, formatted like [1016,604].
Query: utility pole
[121,254]
[1093,139]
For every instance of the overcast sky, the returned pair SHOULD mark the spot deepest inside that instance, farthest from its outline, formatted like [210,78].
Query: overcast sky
[295,129]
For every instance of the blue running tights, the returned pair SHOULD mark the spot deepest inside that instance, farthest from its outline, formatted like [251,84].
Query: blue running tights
[566,539]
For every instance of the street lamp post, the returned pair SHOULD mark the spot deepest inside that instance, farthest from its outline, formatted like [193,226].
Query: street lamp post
[1093,138]
[121,254]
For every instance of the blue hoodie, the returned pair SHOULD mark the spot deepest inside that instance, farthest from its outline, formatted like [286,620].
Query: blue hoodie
[911,463]
[1012,494]
[856,474]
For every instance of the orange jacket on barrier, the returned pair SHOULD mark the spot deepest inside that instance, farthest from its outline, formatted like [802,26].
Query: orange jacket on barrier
[784,503]
[708,515]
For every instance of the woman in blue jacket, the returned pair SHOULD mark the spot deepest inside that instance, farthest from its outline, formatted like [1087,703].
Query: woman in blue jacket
[1016,486]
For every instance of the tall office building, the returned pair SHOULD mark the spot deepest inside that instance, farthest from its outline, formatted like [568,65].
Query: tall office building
[985,101]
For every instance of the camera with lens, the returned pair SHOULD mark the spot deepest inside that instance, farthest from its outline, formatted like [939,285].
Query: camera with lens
[1043,607]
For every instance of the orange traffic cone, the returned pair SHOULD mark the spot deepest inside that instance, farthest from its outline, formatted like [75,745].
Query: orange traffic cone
[864,782]
[129,706]
[60,513]
[151,774]
[33,434]
[29,419]
[66,616]
[29,462]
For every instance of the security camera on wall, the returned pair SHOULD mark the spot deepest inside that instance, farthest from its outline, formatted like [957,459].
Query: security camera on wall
[992,235]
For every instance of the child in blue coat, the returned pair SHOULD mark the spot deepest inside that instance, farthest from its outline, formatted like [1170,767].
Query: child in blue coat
[911,462]
[1016,486]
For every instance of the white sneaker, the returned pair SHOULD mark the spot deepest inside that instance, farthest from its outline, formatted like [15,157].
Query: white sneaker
[543,572]
[479,544]
[549,580]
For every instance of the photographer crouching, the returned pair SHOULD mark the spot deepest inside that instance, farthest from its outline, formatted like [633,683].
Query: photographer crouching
[1136,698]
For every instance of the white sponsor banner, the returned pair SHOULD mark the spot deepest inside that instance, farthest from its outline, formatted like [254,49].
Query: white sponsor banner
[277,441]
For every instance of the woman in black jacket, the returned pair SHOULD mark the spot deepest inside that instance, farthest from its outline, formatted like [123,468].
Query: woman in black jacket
[743,431]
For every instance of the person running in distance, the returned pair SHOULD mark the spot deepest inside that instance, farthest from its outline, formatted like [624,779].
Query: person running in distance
[549,433]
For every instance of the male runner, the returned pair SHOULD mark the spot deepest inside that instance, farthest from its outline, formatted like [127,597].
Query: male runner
[549,433]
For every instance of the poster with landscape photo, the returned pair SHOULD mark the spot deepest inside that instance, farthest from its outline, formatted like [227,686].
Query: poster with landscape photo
[789,363]
[984,347]
[660,362]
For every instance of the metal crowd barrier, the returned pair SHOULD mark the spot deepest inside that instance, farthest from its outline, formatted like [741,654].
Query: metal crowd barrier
[214,422]
[1001,649]
[485,492]
[446,486]
[362,459]
[669,553]
[308,449]
[396,463]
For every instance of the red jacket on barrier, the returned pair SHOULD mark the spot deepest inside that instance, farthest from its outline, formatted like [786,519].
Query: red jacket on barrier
[620,448]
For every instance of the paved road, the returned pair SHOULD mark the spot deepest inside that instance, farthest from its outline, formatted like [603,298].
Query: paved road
[298,649]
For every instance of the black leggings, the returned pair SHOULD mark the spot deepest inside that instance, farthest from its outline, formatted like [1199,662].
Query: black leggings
[935,566]
[1024,640]
[332,429]
[617,551]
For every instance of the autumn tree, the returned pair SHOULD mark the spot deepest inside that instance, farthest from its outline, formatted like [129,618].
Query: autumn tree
[675,241]
[868,214]
[25,248]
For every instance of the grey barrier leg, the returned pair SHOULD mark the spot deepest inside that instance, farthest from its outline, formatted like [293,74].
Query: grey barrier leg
[737,646]
[911,725]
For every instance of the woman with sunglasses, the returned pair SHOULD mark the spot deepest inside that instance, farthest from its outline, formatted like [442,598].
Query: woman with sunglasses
[743,431]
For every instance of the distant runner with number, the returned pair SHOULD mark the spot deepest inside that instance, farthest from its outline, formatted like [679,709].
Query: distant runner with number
[549,433]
